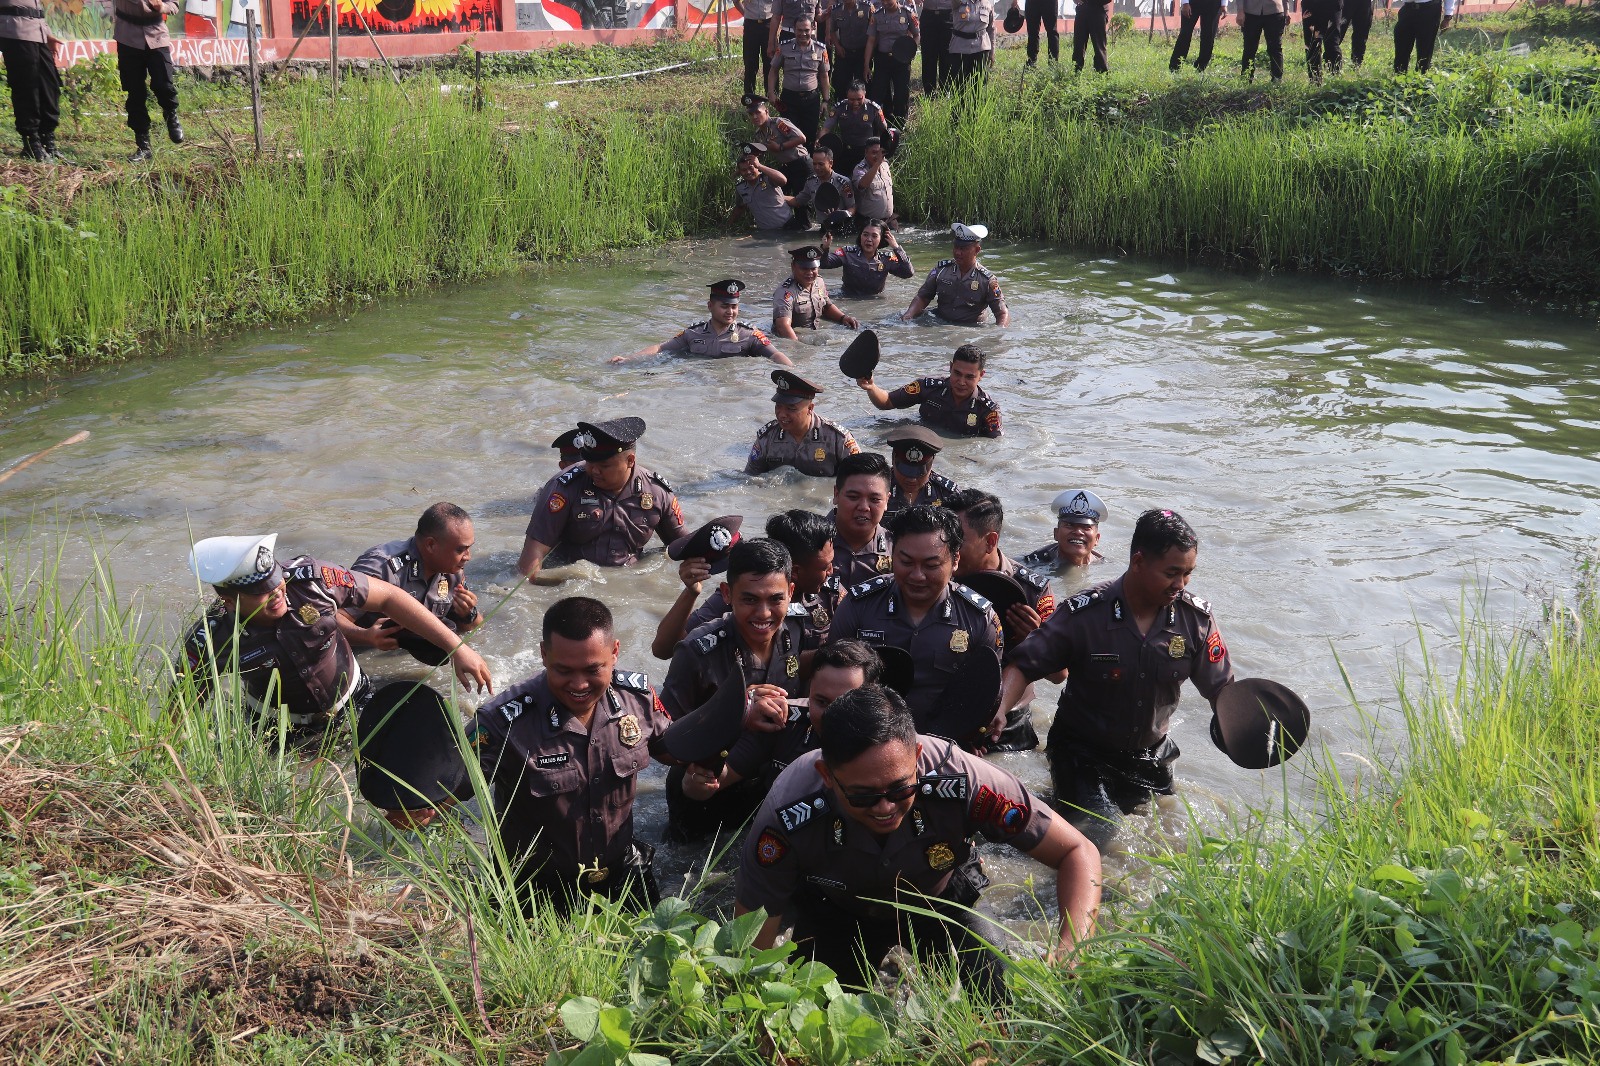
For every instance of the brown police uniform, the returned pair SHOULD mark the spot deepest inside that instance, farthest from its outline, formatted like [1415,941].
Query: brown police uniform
[976,416]
[938,489]
[314,665]
[852,567]
[31,72]
[399,563]
[1109,739]
[817,454]
[763,756]
[710,652]
[567,791]
[1049,557]
[1019,734]
[703,339]
[814,611]
[803,307]
[962,298]
[801,67]
[579,521]
[958,622]
[841,880]
[778,130]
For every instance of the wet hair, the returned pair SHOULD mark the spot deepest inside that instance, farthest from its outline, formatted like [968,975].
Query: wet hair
[823,152]
[856,86]
[804,533]
[983,510]
[439,518]
[1158,532]
[925,519]
[870,463]
[862,719]
[760,557]
[849,655]
[971,353]
[577,618]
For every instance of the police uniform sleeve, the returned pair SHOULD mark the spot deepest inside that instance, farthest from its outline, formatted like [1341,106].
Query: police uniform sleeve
[346,588]
[551,510]
[759,344]
[1212,668]
[751,752]
[848,442]
[1002,809]
[900,263]
[373,563]
[833,259]
[671,527]
[679,343]
[808,192]
[930,285]
[1048,648]
[997,302]
[846,619]
[657,725]
[783,302]
[847,196]
[907,395]
[768,873]
[683,678]
[755,463]
[488,734]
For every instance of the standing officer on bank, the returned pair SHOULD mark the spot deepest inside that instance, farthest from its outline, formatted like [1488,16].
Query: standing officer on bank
[29,49]
[1319,23]
[1078,514]
[1258,18]
[797,436]
[971,39]
[956,404]
[1089,22]
[606,508]
[1208,14]
[802,301]
[718,337]
[890,77]
[915,483]
[886,816]
[962,286]
[1418,25]
[285,620]
[848,27]
[144,48]
[861,488]
[1127,646]
[757,27]
[1356,15]
[918,607]
[428,567]
[1044,14]
[802,64]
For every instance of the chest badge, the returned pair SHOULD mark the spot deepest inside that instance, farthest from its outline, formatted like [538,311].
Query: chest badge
[972,420]
[974,285]
[647,501]
[958,640]
[308,614]
[820,454]
[820,617]
[940,857]
[883,564]
[1177,648]
[628,730]
[441,591]
[792,666]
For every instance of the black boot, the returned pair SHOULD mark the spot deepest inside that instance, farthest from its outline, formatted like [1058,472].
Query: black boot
[33,148]
[142,152]
[48,141]
[174,127]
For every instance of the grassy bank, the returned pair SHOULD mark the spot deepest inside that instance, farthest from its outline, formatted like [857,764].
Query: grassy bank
[176,891]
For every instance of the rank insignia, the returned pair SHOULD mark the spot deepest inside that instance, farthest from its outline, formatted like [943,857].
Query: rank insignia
[820,618]
[940,857]
[555,503]
[1177,648]
[792,666]
[770,848]
[820,454]
[884,564]
[838,832]
[646,501]
[441,591]
[958,640]
[972,420]
[1215,650]
[308,614]
[628,730]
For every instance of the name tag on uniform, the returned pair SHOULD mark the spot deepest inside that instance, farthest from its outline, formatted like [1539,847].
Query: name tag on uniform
[1105,657]
[871,635]
[550,762]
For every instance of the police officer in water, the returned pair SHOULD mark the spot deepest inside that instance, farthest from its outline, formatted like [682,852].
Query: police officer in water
[278,627]
[961,288]
[916,483]
[429,567]
[888,816]
[797,436]
[1127,646]
[955,404]
[718,337]
[1078,514]
[604,509]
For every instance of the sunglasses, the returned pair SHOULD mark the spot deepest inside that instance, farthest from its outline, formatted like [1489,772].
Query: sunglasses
[871,799]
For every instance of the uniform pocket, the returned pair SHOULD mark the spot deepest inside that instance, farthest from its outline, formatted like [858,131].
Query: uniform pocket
[554,778]
[629,761]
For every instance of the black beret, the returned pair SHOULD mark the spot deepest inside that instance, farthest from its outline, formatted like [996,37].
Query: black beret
[406,743]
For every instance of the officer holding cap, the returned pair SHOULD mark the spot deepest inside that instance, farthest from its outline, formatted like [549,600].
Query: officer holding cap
[720,336]
[284,622]
[962,286]
[759,189]
[787,144]
[428,566]
[915,483]
[802,65]
[956,403]
[567,452]
[1078,514]
[797,436]
[1127,646]
[802,300]
[606,508]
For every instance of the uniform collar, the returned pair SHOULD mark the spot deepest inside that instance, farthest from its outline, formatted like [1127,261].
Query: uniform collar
[943,609]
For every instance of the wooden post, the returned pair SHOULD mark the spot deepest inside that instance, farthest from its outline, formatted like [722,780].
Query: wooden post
[255,73]
[333,48]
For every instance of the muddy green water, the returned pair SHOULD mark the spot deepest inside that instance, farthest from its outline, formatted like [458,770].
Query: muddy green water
[1353,455]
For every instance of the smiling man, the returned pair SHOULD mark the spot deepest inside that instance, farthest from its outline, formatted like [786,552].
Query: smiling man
[961,288]
[718,337]
[889,816]
[430,567]
[802,301]
[955,404]
[861,489]
[797,436]
[1127,646]
[1078,514]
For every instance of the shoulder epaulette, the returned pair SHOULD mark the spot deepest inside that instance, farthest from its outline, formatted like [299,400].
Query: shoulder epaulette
[704,644]
[803,811]
[979,601]
[798,610]
[1080,601]
[659,480]
[833,582]
[944,482]
[943,263]
[944,786]
[632,680]
[1203,606]
[298,571]
[871,586]
[566,476]
[512,709]
[768,428]
[1023,574]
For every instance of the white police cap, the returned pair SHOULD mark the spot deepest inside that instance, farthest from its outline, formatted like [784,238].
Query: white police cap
[236,563]
[965,234]
[1080,506]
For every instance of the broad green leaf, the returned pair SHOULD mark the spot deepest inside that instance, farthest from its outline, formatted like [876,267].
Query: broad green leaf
[811,975]
[581,1016]
[1206,1051]
[742,1001]
[616,1024]
[802,1012]
[1569,931]
[1472,819]
[841,1012]
[730,966]
[866,1037]
[638,1058]
[1404,938]
[706,936]
[775,992]
[1232,1043]
[668,911]
[1421,958]
[736,937]
[1448,886]
[777,954]
[1396,875]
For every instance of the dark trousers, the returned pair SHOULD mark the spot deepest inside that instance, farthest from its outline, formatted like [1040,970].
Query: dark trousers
[804,109]
[969,65]
[854,945]
[35,86]
[796,173]
[1206,14]
[1089,24]
[755,54]
[1018,734]
[1044,13]
[1255,27]
[935,51]
[1357,16]
[891,86]
[725,813]
[133,64]
[1320,24]
[846,68]
[1416,26]
[1094,786]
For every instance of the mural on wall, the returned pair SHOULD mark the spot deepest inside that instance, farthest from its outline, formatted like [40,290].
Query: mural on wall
[204,32]
[398,16]
[599,14]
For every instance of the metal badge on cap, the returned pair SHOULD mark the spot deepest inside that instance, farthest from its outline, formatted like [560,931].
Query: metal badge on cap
[968,234]
[234,562]
[1080,505]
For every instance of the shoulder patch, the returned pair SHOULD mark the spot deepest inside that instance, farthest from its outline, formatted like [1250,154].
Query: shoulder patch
[802,811]
[868,587]
[978,601]
[1203,606]
[631,679]
[704,644]
[770,847]
[944,786]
